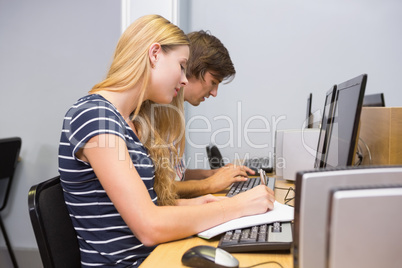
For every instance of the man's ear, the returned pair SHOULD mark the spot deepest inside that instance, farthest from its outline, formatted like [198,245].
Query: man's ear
[153,53]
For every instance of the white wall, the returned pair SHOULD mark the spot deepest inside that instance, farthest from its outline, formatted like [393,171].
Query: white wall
[282,51]
[138,8]
[52,52]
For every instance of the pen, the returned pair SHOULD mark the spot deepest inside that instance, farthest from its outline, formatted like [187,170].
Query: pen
[262,176]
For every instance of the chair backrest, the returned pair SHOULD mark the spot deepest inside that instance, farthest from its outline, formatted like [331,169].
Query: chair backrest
[9,154]
[214,157]
[54,231]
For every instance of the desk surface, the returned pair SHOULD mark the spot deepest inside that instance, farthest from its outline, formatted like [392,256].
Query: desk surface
[169,254]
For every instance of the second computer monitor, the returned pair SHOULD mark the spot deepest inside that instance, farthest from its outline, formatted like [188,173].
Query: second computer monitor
[344,134]
[327,116]
[374,100]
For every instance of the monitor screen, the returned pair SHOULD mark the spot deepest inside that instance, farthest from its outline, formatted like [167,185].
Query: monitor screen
[344,132]
[325,127]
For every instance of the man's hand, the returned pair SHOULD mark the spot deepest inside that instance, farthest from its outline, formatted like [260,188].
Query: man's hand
[227,175]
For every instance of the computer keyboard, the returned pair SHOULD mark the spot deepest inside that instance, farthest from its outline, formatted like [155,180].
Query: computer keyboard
[257,163]
[242,186]
[265,237]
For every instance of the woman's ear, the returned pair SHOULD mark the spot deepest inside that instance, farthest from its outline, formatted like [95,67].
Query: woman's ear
[154,51]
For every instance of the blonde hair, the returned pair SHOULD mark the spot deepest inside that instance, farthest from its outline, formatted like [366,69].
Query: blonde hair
[162,131]
[130,67]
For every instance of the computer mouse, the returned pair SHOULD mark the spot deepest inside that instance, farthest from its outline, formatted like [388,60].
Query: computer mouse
[208,257]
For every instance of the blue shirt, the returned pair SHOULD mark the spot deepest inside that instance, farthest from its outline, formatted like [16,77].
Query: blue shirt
[104,238]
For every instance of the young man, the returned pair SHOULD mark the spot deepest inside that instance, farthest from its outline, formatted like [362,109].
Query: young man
[208,66]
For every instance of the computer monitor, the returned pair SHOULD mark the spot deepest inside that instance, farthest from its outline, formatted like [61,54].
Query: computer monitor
[351,241]
[309,115]
[374,100]
[326,121]
[344,134]
[313,190]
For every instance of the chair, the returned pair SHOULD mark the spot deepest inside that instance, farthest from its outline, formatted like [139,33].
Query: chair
[214,157]
[9,154]
[55,235]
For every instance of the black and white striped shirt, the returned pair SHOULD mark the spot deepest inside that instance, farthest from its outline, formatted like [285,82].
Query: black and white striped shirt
[104,238]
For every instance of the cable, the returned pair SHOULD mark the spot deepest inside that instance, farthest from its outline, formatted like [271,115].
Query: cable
[359,157]
[286,199]
[368,150]
[267,262]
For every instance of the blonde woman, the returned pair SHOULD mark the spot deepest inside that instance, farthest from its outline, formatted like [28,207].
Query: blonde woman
[107,174]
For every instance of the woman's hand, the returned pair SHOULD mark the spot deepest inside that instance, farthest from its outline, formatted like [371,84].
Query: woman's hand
[257,200]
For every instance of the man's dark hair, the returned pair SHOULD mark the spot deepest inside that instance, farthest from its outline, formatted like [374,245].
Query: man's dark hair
[208,54]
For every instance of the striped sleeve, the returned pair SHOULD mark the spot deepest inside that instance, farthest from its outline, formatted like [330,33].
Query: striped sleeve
[90,119]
